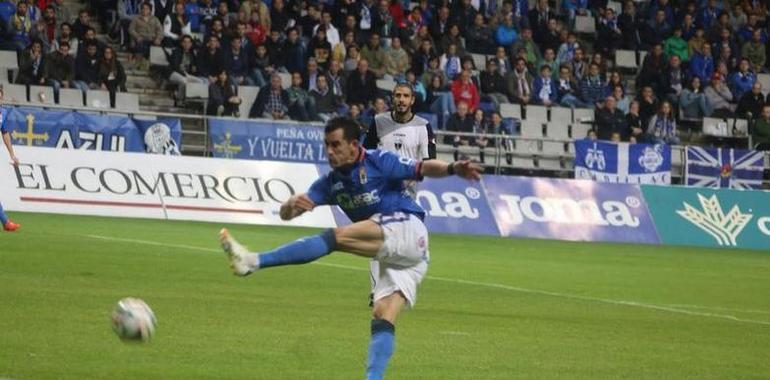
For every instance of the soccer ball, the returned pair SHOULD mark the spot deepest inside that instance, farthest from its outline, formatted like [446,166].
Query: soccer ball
[133,320]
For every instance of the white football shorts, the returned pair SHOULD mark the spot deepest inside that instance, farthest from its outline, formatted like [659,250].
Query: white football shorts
[404,256]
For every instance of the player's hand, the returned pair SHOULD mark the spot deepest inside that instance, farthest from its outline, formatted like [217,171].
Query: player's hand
[302,202]
[14,160]
[468,170]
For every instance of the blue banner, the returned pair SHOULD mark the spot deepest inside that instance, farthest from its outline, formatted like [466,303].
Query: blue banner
[457,206]
[622,163]
[563,209]
[264,140]
[75,130]
[727,168]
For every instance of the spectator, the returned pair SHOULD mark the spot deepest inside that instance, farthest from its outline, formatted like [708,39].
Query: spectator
[60,69]
[262,66]
[421,57]
[459,122]
[420,93]
[574,8]
[578,66]
[183,66]
[87,69]
[260,8]
[519,83]
[255,31]
[528,44]
[32,65]
[635,129]
[339,51]
[396,60]
[754,51]
[351,58]
[741,81]
[320,48]
[112,76]
[543,88]
[332,34]
[631,25]
[658,28]
[440,25]
[310,21]
[505,35]
[493,84]
[760,133]
[223,14]
[301,103]
[439,100]
[480,36]
[567,49]
[450,62]
[272,101]
[464,90]
[592,88]
[65,34]
[274,46]
[162,8]
[693,102]
[503,62]
[708,14]
[610,120]
[549,59]
[127,11]
[82,23]
[662,127]
[293,51]
[238,64]
[751,103]
[49,25]
[648,104]
[63,13]
[609,34]
[676,46]
[39,32]
[327,104]
[20,27]
[614,80]
[374,55]
[696,43]
[212,60]
[567,89]
[702,64]
[688,29]
[538,19]
[362,84]
[336,79]
[175,25]
[652,69]
[622,102]
[479,130]
[719,96]
[145,30]
[453,37]
[673,80]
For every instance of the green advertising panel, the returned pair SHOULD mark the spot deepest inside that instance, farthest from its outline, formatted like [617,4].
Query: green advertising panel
[710,217]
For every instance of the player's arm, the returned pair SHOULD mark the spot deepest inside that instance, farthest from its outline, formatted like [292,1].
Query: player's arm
[9,146]
[439,169]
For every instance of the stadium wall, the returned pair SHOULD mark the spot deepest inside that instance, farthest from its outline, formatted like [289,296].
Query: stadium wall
[124,184]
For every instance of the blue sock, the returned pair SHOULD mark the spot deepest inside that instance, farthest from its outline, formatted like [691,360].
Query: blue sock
[380,348]
[300,251]
[3,217]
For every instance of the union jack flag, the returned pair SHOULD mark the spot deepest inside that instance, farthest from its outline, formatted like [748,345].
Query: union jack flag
[717,167]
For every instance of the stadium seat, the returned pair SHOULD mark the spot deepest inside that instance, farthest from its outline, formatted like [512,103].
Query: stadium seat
[553,148]
[583,115]
[625,59]
[561,115]
[714,126]
[158,56]
[510,110]
[742,125]
[523,162]
[676,156]
[538,113]
[764,79]
[525,146]
[558,131]
[285,80]
[386,85]
[549,163]
[15,92]
[41,94]
[70,97]
[479,60]
[580,130]
[4,75]
[248,95]
[642,55]
[615,6]
[8,61]
[98,99]
[196,90]
[532,128]
[125,101]
[585,25]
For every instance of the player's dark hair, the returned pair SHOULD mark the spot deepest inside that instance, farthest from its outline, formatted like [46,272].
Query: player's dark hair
[404,85]
[350,128]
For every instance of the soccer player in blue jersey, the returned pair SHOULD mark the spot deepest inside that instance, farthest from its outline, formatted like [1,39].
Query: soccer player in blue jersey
[8,225]
[387,225]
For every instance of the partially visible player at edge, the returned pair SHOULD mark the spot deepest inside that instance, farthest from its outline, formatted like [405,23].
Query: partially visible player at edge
[8,225]
[402,132]
[387,225]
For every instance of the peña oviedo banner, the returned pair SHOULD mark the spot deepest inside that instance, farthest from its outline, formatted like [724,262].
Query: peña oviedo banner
[710,217]
[266,140]
[248,191]
[75,130]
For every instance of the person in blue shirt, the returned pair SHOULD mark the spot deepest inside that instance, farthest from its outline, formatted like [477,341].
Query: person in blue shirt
[741,81]
[544,88]
[8,225]
[387,225]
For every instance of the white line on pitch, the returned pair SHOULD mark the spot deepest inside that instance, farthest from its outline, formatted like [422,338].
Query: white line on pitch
[747,311]
[668,308]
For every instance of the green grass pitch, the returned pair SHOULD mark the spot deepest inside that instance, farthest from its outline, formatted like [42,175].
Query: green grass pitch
[490,308]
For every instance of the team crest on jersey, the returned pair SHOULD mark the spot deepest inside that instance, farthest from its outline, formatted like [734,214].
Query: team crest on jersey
[362,175]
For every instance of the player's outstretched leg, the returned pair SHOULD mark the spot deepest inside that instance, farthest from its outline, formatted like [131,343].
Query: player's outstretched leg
[8,225]
[383,341]
[301,251]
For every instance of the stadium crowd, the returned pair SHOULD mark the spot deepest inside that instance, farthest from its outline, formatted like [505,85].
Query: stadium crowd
[703,57]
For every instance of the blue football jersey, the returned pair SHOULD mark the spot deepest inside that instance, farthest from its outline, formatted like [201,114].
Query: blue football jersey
[375,184]
[3,117]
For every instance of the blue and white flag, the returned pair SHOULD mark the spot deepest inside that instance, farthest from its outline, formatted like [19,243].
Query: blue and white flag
[622,162]
[717,167]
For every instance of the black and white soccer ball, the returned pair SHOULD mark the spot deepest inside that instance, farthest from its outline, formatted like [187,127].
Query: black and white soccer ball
[133,320]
